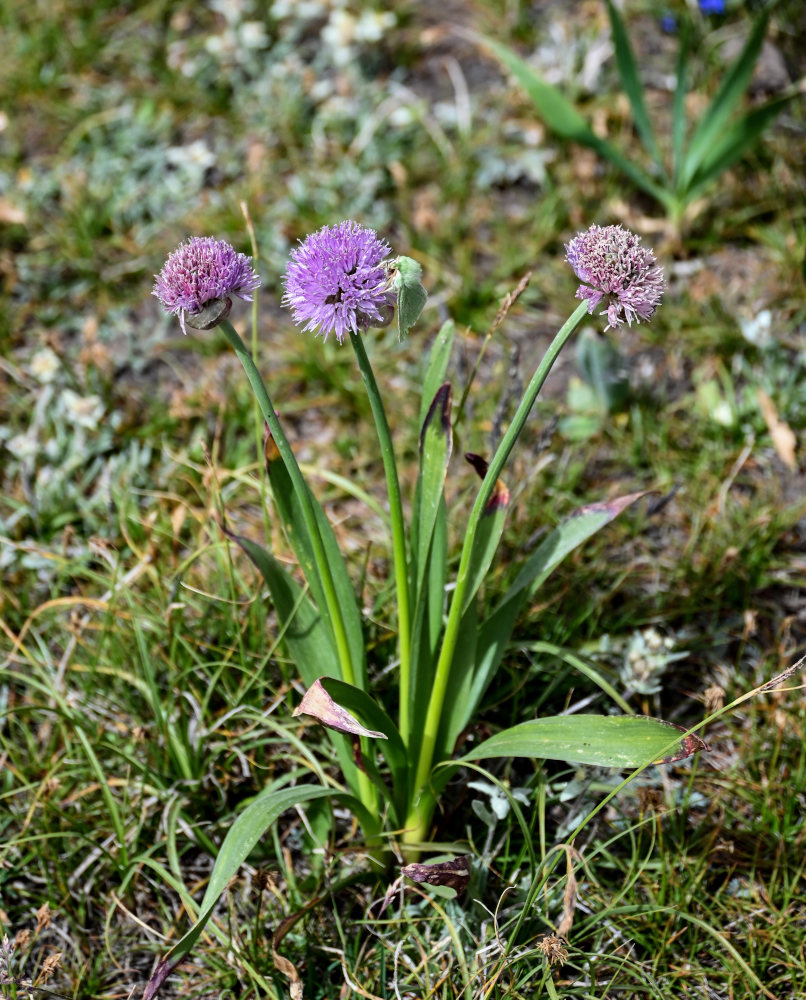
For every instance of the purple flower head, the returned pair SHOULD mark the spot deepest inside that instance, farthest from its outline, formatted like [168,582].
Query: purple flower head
[617,269]
[198,279]
[337,281]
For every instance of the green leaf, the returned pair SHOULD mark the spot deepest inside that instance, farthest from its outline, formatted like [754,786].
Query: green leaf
[303,631]
[373,715]
[289,507]
[436,441]
[623,741]
[488,531]
[560,115]
[733,143]
[437,366]
[246,830]
[630,81]
[495,631]
[411,295]
[679,106]
[427,625]
[734,85]
[455,717]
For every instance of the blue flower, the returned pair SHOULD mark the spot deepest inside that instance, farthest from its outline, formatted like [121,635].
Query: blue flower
[712,6]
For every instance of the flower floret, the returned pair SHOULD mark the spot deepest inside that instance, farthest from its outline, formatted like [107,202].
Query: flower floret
[200,271]
[337,281]
[616,269]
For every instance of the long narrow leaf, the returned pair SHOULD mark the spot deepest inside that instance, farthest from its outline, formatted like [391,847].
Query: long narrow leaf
[734,142]
[679,106]
[289,507]
[309,643]
[560,115]
[371,713]
[303,631]
[488,533]
[437,366]
[630,81]
[248,828]
[436,441]
[726,99]
[427,625]
[496,630]
[622,741]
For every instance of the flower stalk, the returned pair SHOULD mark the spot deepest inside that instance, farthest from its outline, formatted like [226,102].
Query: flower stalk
[422,803]
[399,546]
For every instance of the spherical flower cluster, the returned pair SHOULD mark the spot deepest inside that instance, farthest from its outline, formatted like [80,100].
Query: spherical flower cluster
[198,279]
[336,281]
[618,270]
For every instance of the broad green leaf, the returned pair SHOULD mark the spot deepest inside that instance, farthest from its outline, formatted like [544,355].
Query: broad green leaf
[290,509]
[488,531]
[411,295]
[630,81]
[436,440]
[496,630]
[623,741]
[303,632]
[560,115]
[734,85]
[246,830]
[437,366]
[372,714]
[733,143]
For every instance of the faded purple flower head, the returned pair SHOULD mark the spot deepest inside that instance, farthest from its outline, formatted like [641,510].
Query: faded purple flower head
[616,268]
[198,279]
[337,281]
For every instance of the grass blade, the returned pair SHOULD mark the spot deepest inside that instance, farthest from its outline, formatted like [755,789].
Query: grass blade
[248,828]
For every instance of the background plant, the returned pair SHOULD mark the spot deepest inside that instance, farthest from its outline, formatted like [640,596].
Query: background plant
[696,154]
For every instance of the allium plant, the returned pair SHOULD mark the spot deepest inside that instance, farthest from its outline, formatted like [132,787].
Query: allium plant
[677,174]
[337,281]
[397,754]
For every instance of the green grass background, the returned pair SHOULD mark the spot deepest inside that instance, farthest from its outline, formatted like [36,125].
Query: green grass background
[142,696]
